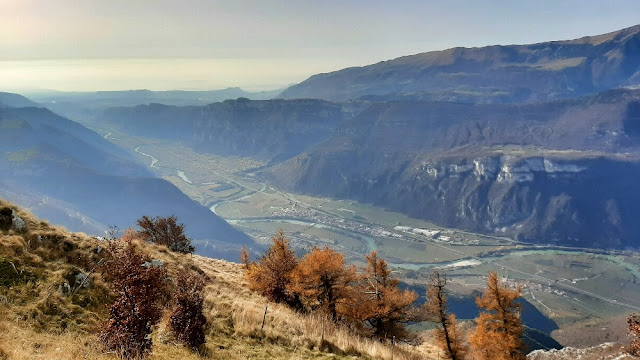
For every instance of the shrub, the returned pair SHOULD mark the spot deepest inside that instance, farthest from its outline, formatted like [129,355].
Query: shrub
[165,231]
[6,218]
[139,290]
[187,321]
[633,324]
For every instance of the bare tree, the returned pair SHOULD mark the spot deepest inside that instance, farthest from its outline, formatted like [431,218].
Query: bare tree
[447,332]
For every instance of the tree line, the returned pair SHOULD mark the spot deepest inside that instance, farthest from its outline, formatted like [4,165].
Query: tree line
[371,301]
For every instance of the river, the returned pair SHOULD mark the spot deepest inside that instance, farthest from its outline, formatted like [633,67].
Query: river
[153,160]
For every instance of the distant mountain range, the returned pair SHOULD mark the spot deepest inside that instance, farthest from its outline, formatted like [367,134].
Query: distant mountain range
[268,130]
[76,105]
[492,74]
[73,176]
[536,142]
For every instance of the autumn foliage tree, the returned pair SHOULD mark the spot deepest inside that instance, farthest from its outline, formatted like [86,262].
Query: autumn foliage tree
[322,280]
[498,334]
[245,257]
[140,289]
[187,321]
[447,333]
[370,300]
[633,324]
[271,274]
[165,231]
[378,302]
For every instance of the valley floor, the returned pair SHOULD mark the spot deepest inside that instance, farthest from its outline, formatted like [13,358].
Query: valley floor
[577,289]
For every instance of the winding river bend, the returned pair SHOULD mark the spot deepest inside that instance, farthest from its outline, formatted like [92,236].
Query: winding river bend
[154,161]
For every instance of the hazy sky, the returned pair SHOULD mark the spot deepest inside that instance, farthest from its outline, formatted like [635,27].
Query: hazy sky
[210,44]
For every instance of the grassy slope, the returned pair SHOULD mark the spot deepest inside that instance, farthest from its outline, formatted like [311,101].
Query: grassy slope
[38,321]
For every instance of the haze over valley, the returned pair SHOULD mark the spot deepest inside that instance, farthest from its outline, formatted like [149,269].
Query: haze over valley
[519,159]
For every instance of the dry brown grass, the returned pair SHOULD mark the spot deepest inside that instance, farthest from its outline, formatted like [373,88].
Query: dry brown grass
[243,311]
[37,321]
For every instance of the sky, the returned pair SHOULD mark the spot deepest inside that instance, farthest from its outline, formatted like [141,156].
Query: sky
[88,45]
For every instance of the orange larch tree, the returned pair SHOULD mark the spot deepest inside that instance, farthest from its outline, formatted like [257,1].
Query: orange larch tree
[498,334]
[271,274]
[245,258]
[322,280]
[379,303]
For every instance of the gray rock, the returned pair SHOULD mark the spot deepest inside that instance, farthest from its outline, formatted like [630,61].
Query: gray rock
[82,280]
[153,263]
[65,288]
[17,223]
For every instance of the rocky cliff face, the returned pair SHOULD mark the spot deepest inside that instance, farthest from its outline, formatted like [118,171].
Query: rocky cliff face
[535,199]
[561,173]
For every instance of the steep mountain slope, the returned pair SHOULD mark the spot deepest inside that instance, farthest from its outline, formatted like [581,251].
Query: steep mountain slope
[270,130]
[493,74]
[63,170]
[47,312]
[562,172]
[15,100]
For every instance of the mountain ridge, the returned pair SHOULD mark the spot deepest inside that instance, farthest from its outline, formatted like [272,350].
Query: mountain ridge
[490,74]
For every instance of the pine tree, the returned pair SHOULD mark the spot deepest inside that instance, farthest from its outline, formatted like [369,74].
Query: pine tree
[498,330]
[447,333]
[322,280]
